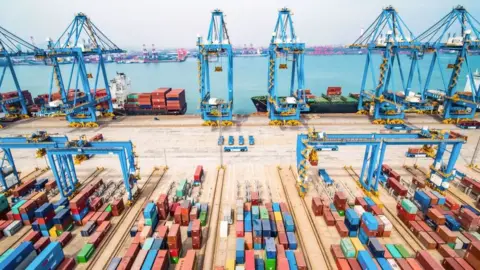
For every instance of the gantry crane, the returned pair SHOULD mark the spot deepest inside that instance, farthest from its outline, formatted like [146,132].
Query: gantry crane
[457,32]
[214,49]
[286,47]
[13,46]
[389,36]
[80,40]
[376,145]
[38,140]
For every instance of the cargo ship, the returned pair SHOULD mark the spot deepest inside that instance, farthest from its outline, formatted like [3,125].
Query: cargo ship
[331,102]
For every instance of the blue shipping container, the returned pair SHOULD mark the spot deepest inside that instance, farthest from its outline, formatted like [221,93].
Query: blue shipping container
[369,201]
[49,258]
[43,210]
[257,246]
[20,257]
[273,227]
[452,223]
[370,221]
[157,244]
[422,199]
[276,207]
[352,217]
[365,261]
[266,230]
[270,248]
[259,264]
[247,225]
[384,264]
[378,251]
[362,236]
[114,263]
[441,198]
[189,229]
[247,215]
[292,262]
[149,260]
[60,217]
[292,240]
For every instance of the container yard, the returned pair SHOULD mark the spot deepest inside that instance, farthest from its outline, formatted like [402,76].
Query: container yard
[250,213]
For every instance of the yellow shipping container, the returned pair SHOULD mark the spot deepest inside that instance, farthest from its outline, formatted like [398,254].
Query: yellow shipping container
[357,244]
[53,232]
[230,264]
[278,216]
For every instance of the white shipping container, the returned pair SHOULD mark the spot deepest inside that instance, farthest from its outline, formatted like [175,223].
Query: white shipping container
[393,264]
[240,267]
[13,228]
[359,210]
[239,217]
[227,214]
[458,244]
[387,224]
[240,203]
[169,224]
[223,229]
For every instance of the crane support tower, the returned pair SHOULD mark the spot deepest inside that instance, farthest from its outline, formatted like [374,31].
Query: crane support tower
[285,47]
[82,41]
[215,49]
[375,148]
[14,104]
[458,32]
[389,36]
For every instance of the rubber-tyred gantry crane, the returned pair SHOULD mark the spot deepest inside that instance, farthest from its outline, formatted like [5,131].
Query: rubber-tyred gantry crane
[286,47]
[214,50]
[13,46]
[82,39]
[457,32]
[389,36]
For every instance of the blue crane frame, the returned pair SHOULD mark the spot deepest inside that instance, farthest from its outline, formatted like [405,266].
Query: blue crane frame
[81,110]
[284,41]
[20,142]
[217,44]
[14,46]
[457,105]
[376,145]
[388,107]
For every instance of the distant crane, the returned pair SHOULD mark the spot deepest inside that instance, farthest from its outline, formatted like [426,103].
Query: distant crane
[80,104]
[217,46]
[284,43]
[464,41]
[15,105]
[154,52]
[145,52]
[390,36]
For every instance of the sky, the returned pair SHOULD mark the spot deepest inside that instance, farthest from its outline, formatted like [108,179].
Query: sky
[176,23]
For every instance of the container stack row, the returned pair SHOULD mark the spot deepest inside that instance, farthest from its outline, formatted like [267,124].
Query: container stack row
[160,100]
[268,228]
[394,181]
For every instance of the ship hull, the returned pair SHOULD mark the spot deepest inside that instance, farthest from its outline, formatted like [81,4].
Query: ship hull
[260,104]
[139,111]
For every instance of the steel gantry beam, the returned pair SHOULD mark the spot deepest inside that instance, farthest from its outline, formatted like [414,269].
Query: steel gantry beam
[81,103]
[376,145]
[39,140]
[285,47]
[15,104]
[63,167]
[457,32]
[214,49]
[389,36]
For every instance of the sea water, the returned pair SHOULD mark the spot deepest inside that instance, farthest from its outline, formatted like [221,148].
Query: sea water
[249,77]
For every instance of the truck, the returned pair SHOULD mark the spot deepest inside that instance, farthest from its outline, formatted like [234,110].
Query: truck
[251,140]
[221,140]
[231,140]
[241,140]
[235,149]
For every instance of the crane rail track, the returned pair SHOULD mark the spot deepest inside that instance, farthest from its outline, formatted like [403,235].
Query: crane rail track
[215,236]
[312,224]
[155,173]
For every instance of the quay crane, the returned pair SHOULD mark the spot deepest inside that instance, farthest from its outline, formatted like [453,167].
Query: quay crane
[457,33]
[376,146]
[14,46]
[80,101]
[390,36]
[285,43]
[217,46]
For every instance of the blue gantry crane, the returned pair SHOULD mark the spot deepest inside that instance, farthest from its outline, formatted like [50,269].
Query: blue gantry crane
[286,47]
[214,50]
[38,140]
[457,32]
[389,36]
[13,46]
[82,39]
[376,145]
[63,167]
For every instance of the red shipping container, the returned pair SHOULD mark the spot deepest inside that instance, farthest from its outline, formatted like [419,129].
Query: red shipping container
[353,263]
[282,264]
[377,211]
[282,239]
[342,229]
[427,240]
[329,219]
[280,226]
[96,238]
[189,261]
[424,226]
[249,260]
[162,231]
[33,237]
[436,216]
[197,176]
[438,240]
[414,264]
[427,261]
[67,264]
[161,263]
[255,198]
[337,252]
[41,244]
[446,234]
[248,240]
[464,264]
[433,198]
[386,168]
[472,260]
[132,251]
[474,248]
[239,229]
[317,206]
[65,238]
[447,252]
[105,216]
[394,174]
[283,207]
[178,216]
[104,226]
[139,259]
[301,264]
[342,264]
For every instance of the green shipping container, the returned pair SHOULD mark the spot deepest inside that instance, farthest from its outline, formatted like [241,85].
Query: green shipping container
[347,248]
[86,253]
[148,222]
[341,213]
[203,218]
[16,207]
[452,245]
[148,243]
[409,206]
[3,202]
[108,209]
[476,235]
[181,188]
[174,260]
[264,213]
[393,251]
[132,96]
[402,250]
[270,264]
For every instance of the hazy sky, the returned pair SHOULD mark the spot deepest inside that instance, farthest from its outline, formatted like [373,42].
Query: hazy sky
[176,23]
